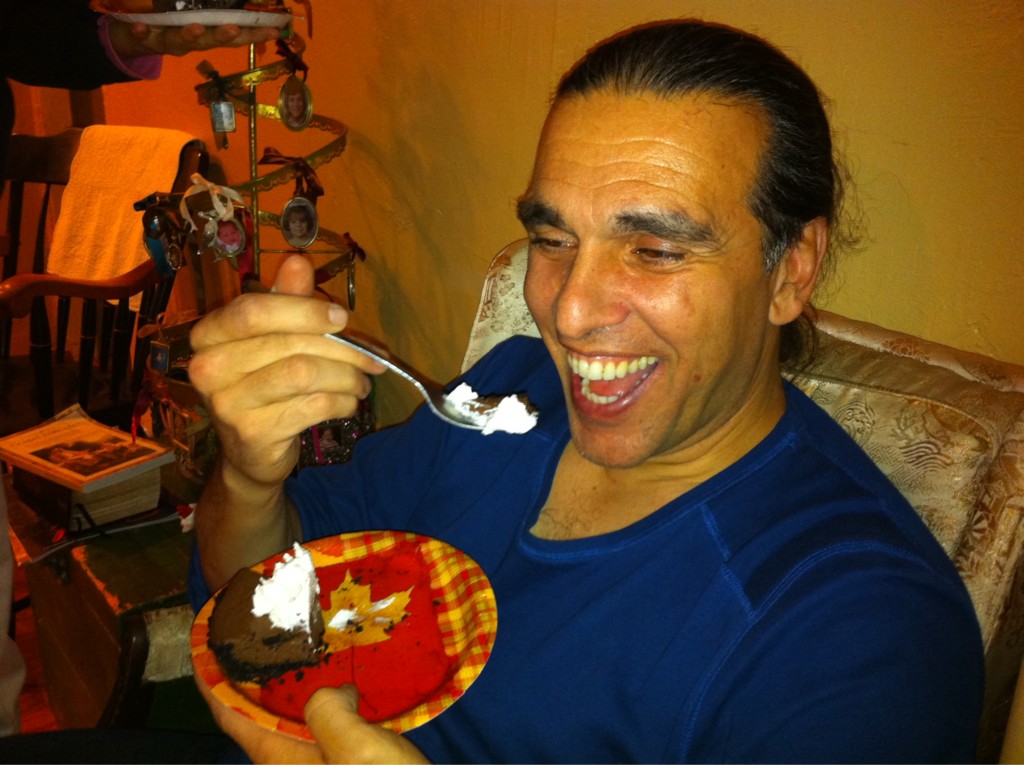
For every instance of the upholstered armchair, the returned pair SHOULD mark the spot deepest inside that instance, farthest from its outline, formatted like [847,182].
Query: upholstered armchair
[946,426]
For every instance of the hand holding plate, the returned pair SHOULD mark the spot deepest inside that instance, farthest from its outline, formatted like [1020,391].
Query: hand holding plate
[135,38]
[344,736]
[259,742]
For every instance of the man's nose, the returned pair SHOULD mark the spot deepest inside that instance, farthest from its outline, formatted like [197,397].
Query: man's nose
[592,296]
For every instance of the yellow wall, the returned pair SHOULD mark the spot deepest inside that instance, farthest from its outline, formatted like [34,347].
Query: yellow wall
[445,98]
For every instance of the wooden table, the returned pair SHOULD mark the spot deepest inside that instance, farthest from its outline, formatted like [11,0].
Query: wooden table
[112,617]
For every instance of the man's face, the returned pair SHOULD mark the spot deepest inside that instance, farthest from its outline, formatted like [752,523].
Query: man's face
[646,276]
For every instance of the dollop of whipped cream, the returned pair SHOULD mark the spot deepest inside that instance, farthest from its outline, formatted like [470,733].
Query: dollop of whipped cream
[347,617]
[510,415]
[289,594]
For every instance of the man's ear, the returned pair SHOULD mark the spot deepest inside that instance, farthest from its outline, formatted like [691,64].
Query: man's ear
[797,273]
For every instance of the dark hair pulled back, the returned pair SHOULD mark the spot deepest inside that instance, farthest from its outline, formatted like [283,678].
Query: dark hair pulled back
[799,179]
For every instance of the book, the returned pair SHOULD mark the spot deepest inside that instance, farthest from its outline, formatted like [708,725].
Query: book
[78,472]
[76,511]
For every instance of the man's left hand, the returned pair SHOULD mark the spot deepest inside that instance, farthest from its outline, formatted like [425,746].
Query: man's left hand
[342,736]
[345,737]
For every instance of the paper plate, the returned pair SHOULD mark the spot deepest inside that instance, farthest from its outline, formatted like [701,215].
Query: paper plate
[409,673]
[210,17]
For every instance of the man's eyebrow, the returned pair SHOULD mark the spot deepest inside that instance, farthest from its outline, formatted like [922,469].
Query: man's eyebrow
[672,225]
[533,213]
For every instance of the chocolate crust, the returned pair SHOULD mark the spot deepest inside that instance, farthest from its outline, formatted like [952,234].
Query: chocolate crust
[250,648]
[244,672]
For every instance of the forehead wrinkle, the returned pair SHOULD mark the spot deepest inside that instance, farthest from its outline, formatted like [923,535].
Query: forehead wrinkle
[593,154]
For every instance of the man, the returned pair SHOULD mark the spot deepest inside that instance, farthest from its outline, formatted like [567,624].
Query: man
[691,560]
[63,44]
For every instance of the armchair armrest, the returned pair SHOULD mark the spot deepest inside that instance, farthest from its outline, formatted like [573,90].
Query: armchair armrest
[17,293]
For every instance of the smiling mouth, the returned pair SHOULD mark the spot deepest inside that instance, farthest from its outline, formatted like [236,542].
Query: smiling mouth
[605,382]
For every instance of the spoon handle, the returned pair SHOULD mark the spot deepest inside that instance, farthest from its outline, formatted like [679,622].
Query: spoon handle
[368,350]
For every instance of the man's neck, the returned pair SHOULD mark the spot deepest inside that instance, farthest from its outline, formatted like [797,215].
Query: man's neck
[587,499]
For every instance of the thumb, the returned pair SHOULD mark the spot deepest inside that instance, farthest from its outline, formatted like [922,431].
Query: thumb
[295,277]
[343,736]
[329,703]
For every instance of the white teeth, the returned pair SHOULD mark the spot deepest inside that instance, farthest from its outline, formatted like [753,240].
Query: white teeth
[602,400]
[597,370]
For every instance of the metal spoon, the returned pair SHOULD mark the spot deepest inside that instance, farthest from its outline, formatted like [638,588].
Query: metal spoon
[432,394]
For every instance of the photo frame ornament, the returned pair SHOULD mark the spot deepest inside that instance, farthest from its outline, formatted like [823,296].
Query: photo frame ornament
[355,252]
[332,442]
[295,104]
[300,222]
[163,234]
[227,239]
[221,210]
[222,117]
[352,286]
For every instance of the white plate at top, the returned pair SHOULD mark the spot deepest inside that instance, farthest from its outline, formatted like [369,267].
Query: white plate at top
[210,18]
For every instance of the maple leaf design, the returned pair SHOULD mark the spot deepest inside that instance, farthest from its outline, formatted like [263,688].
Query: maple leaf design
[354,618]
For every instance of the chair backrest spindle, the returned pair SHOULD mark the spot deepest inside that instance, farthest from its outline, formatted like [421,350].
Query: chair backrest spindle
[104,170]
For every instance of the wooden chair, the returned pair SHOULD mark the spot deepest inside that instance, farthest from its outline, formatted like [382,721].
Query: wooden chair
[33,389]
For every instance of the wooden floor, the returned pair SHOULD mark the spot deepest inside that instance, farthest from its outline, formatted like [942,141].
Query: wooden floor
[36,715]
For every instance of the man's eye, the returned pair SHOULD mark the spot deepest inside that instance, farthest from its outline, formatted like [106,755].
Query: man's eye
[659,257]
[547,244]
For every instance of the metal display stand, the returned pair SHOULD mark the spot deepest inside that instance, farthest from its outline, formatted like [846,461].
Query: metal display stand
[240,89]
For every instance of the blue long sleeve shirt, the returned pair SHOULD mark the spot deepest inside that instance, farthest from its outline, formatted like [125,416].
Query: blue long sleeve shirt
[793,608]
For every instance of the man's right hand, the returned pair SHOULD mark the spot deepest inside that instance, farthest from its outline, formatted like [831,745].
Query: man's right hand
[266,373]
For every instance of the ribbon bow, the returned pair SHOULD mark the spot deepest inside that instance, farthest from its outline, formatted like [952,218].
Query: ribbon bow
[307,184]
[284,50]
[223,199]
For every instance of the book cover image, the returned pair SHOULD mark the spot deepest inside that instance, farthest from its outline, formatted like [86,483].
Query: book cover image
[80,453]
[90,457]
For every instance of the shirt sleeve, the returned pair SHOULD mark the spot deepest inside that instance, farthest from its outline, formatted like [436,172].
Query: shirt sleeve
[198,590]
[850,663]
[57,44]
[376,489]
[138,68]
[383,485]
